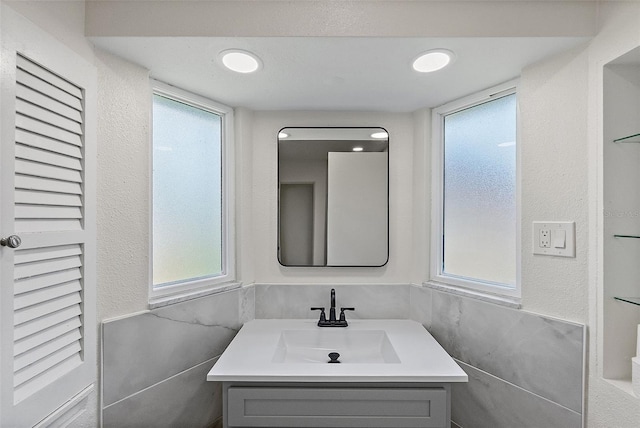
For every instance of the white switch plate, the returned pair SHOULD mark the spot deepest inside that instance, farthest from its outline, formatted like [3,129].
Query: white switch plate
[544,238]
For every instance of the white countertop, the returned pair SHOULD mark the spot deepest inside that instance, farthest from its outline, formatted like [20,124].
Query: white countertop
[250,356]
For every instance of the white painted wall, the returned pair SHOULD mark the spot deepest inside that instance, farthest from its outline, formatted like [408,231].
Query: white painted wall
[124,170]
[552,99]
[265,203]
[421,221]
[245,248]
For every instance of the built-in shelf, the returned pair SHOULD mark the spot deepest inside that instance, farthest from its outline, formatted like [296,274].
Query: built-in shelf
[619,316]
[635,138]
[632,300]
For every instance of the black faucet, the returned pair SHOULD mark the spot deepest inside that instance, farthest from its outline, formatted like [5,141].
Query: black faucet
[332,321]
[332,310]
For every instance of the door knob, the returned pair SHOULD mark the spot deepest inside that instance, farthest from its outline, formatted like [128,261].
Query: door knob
[12,241]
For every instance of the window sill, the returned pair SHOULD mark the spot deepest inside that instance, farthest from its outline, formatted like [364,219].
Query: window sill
[161,301]
[509,302]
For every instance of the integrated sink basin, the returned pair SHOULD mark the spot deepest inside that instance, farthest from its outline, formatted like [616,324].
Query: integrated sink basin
[295,350]
[353,346]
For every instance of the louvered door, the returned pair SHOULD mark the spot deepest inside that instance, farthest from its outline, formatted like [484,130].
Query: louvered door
[48,282]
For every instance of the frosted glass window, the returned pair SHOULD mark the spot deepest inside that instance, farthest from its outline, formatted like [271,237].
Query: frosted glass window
[479,238]
[187,192]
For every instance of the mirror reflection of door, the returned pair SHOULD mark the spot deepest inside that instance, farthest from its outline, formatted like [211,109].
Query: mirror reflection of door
[296,211]
[357,232]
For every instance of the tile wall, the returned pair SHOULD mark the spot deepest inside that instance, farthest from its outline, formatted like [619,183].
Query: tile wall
[524,370]
[154,364]
[294,300]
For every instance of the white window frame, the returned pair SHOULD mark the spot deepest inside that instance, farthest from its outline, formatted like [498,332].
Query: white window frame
[160,296]
[437,277]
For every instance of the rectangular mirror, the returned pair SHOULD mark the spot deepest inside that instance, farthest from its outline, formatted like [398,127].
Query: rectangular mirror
[333,197]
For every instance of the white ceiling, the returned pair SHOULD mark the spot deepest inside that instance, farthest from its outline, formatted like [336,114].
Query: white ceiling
[335,73]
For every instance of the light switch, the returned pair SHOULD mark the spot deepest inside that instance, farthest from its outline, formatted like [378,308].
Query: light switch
[554,238]
[559,237]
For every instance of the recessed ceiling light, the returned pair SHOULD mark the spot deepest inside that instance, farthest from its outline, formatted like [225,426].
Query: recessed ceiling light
[282,135]
[240,61]
[507,144]
[357,149]
[379,135]
[432,60]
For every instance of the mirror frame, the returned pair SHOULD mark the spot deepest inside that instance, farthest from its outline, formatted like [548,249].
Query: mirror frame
[387,212]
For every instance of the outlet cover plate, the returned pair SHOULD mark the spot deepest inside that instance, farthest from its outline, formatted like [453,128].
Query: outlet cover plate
[569,228]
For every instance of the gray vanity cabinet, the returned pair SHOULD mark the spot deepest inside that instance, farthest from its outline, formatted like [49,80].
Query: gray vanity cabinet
[328,405]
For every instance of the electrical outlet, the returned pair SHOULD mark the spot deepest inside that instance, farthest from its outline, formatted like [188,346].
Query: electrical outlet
[554,238]
[545,238]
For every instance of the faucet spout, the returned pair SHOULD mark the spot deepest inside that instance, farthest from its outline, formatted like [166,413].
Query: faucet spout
[332,310]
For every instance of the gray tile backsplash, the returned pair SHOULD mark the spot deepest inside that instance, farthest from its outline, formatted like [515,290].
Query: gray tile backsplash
[184,400]
[539,354]
[420,309]
[525,370]
[144,349]
[247,304]
[489,402]
[382,301]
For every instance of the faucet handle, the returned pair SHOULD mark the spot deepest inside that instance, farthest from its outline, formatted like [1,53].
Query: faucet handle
[342,316]
[322,315]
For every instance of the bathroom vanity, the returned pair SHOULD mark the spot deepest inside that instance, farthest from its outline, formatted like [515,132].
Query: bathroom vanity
[389,373]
